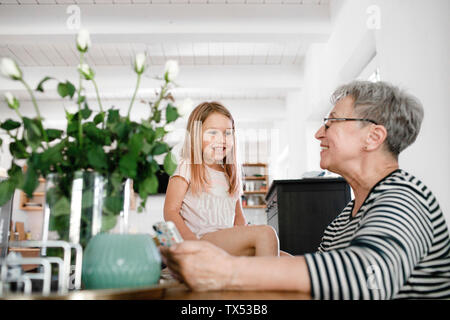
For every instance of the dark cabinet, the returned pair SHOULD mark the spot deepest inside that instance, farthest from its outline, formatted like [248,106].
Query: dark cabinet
[300,210]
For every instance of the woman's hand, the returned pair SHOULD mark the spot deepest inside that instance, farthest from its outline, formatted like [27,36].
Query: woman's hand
[200,264]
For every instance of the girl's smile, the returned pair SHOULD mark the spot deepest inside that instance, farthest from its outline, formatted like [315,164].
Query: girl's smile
[217,138]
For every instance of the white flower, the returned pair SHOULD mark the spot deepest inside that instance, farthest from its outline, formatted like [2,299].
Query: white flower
[139,63]
[171,70]
[86,71]
[169,127]
[12,102]
[10,69]
[9,98]
[185,107]
[83,40]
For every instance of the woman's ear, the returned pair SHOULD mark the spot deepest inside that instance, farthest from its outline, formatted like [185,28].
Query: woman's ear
[377,135]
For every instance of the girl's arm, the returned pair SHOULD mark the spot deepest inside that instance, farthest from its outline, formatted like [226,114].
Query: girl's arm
[176,190]
[239,219]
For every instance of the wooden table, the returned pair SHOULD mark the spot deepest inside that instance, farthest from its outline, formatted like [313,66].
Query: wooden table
[172,290]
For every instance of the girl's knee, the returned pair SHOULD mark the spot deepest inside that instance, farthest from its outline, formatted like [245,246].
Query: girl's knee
[267,232]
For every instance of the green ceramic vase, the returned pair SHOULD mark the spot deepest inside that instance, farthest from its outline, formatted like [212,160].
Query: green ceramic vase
[113,261]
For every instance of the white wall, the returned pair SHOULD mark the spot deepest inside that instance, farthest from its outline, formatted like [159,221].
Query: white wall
[297,159]
[412,50]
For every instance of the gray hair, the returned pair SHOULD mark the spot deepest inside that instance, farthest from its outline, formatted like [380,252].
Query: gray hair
[399,112]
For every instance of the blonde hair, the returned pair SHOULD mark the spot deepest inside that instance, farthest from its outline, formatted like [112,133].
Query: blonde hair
[193,154]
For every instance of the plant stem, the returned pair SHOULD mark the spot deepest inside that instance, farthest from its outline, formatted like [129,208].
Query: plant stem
[98,95]
[33,99]
[80,128]
[134,95]
[99,101]
[158,101]
[18,113]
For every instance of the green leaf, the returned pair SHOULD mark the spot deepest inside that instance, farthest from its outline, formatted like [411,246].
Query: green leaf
[86,113]
[128,165]
[122,130]
[31,182]
[135,144]
[169,163]
[154,166]
[72,128]
[87,200]
[62,90]
[18,149]
[113,204]
[97,157]
[108,222]
[99,118]
[171,113]
[7,189]
[52,155]
[53,134]
[71,89]
[81,99]
[115,184]
[40,87]
[66,89]
[150,185]
[160,148]
[15,174]
[160,132]
[149,134]
[10,125]
[146,147]
[95,134]
[113,117]
[32,127]
[157,116]
[61,207]
[33,133]
[69,116]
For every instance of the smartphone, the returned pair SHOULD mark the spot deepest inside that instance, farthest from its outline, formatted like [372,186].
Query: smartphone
[167,233]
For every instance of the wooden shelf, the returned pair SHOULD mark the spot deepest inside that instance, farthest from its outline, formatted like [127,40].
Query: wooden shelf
[27,253]
[256,192]
[255,178]
[261,206]
[31,208]
[254,165]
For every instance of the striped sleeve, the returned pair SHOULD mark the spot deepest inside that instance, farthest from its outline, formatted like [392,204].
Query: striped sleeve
[393,237]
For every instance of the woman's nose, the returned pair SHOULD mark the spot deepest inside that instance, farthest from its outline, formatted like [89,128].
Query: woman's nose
[320,133]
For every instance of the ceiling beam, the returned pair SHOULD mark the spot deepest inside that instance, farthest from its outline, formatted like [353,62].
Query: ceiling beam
[119,81]
[156,23]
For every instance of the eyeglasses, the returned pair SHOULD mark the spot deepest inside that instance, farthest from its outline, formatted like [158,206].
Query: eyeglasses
[326,120]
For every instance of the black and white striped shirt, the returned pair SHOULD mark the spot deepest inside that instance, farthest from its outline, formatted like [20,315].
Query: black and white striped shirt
[396,247]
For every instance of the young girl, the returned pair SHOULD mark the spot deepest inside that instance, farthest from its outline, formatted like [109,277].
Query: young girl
[203,195]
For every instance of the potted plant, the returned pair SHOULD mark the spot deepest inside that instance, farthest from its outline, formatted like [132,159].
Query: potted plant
[101,141]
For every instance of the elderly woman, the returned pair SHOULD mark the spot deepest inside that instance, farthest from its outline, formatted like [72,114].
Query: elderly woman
[390,242]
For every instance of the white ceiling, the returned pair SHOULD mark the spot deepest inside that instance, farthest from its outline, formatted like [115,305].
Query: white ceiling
[262,42]
[187,53]
[211,2]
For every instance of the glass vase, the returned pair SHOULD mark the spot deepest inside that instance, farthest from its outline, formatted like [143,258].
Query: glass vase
[80,206]
[73,206]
